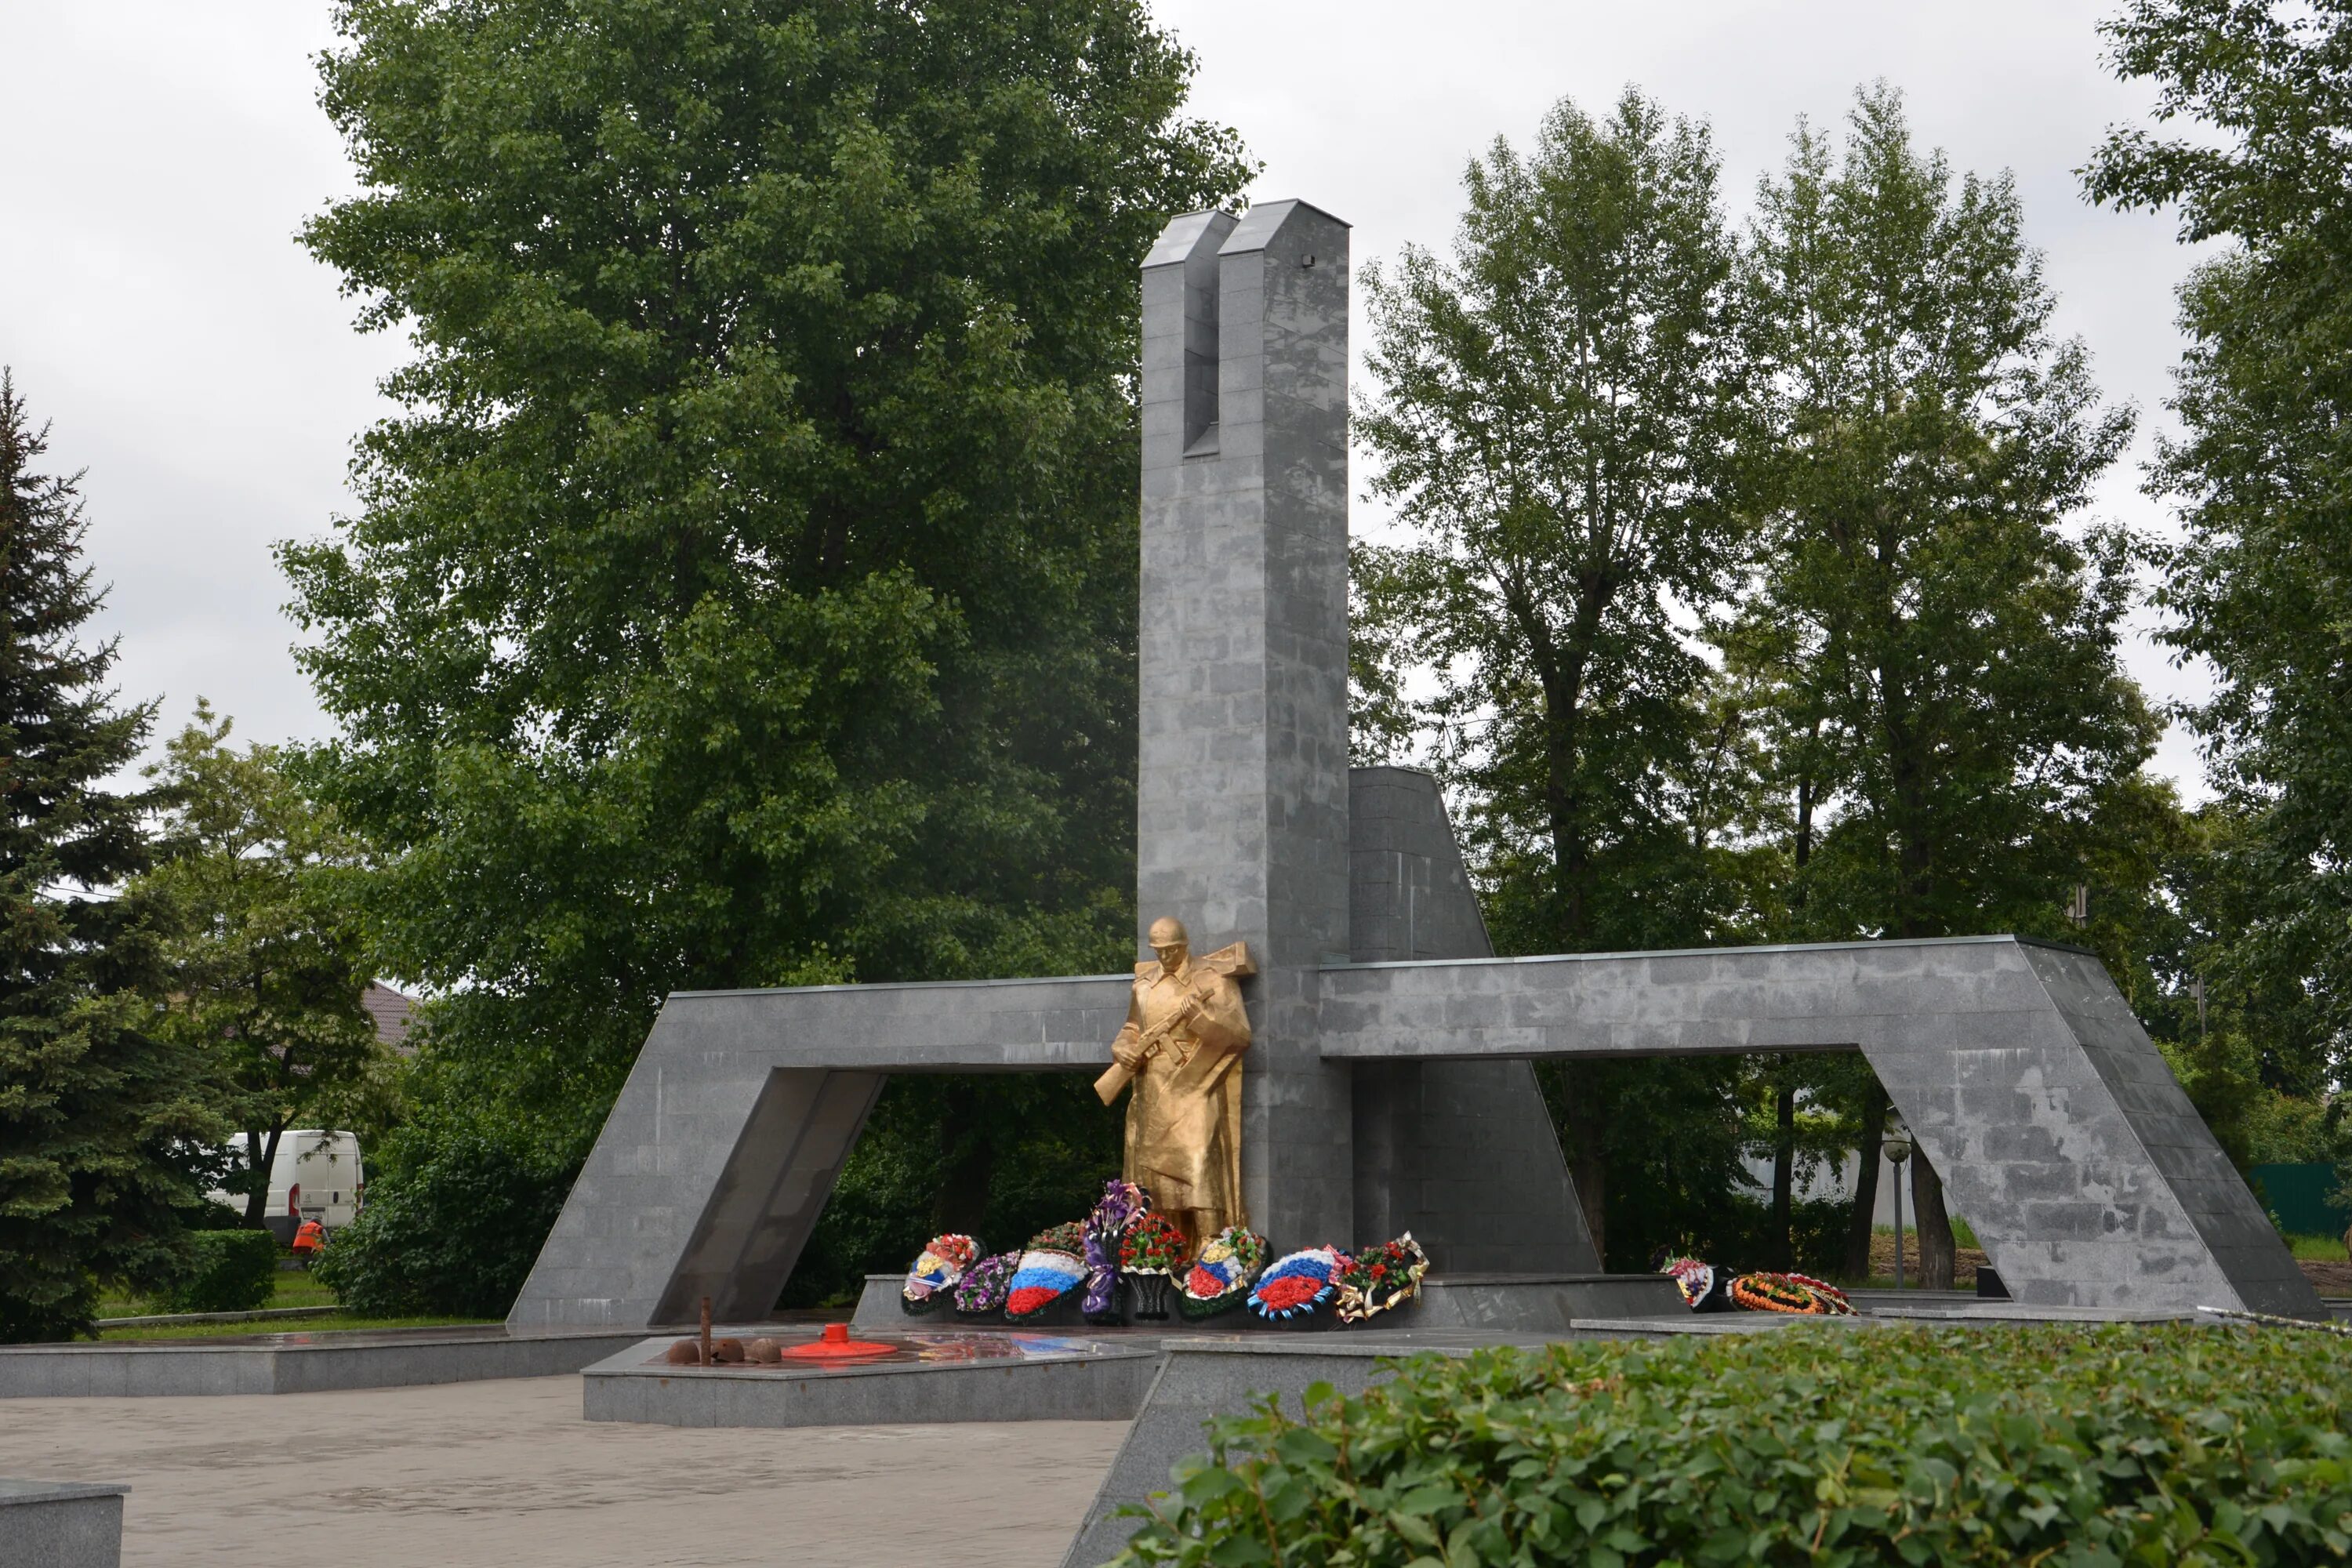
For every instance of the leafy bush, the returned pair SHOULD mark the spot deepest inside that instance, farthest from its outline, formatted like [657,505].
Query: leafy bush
[2155,1445]
[451,1231]
[234,1272]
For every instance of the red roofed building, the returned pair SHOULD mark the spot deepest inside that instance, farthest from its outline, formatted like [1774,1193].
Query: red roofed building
[392,1012]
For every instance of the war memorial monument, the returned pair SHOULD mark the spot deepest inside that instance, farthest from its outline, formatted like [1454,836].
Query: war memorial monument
[1356,1062]
[1322,1047]
[1387,1085]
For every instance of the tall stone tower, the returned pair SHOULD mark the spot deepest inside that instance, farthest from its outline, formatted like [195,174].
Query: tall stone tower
[1242,799]
[1251,824]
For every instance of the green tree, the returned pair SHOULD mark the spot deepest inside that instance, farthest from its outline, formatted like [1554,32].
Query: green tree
[2261,586]
[1933,632]
[2251,1040]
[100,1115]
[266,949]
[1555,407]
[744,593]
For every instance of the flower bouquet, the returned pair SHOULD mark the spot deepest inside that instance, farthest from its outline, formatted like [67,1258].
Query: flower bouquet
[1298,1283]
[1105,1229]
[937,1271]
[1382,1277]
[1704,1287]
[1067,1237]
[986,1286]
[1152,1251]
[1220,1279]
[1799,1293]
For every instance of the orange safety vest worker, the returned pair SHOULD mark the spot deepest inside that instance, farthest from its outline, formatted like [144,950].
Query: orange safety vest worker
[310,1237]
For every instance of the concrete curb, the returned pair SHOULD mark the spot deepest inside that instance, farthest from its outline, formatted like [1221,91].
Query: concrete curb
[295,1363]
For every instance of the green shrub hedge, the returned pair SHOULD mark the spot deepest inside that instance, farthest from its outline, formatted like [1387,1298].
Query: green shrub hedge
[1830,1445]
[453,1232]
[235,1272]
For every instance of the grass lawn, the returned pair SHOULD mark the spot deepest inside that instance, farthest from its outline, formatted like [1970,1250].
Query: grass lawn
[294,1289]
[2318,1248]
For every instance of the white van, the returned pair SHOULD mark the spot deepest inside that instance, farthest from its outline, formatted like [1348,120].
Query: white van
[317,1175]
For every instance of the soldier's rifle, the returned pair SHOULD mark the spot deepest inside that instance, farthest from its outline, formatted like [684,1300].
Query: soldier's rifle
[1110,1086]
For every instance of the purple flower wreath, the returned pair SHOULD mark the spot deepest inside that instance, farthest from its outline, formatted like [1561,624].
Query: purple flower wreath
[1121,1203]
[985,1285]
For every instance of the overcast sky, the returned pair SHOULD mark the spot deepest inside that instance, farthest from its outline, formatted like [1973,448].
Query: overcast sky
[161,156]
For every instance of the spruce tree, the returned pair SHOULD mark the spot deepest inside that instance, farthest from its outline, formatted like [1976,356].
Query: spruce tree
[99,1121]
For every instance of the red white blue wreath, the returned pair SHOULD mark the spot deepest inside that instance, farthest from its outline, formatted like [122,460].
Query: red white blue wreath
[1043,1278]
[938,1272]
[1298,1283]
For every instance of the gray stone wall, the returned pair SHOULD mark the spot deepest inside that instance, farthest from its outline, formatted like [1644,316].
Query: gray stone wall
[2070,1211]
[60,1524]
[1461,1154]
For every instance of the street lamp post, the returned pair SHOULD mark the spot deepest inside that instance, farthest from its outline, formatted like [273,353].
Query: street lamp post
[1897,1149]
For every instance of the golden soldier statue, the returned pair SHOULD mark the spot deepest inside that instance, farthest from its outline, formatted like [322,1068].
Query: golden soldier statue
[1182,1047]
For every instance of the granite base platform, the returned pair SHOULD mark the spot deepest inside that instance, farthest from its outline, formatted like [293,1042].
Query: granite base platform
[299,1362]
[60,1524]
[1501,1303]
[936,1375]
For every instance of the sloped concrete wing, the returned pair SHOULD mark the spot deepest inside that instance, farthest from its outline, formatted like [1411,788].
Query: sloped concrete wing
[718,1157]
[2059,1131]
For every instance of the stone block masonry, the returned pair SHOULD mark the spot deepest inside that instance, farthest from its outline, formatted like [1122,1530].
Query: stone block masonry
[1242,782]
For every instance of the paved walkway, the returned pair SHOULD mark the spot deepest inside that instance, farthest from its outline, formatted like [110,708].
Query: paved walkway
[508,1473]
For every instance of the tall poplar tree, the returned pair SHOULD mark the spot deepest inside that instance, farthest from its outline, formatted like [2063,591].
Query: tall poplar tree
[1555,408]
[744,591]
[1936,627]
[99,1115]
[2250,149]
